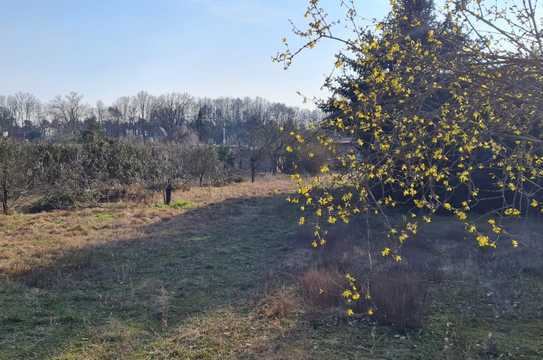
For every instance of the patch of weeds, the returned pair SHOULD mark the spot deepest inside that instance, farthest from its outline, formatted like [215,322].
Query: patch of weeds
[105,216]
[177,204]
[280,304]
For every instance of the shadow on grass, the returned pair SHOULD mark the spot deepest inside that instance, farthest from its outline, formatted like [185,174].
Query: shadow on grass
[203,259]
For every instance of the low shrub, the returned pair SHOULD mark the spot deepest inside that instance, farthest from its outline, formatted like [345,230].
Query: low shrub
[221,177]
[322,288]
[236,179]
[57,200]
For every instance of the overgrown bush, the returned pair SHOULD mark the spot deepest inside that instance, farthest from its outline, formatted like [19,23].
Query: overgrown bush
[16,172]
[322,287]
[97,169]
[56,200]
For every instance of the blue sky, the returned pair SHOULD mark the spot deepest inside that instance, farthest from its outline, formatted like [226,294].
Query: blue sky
[106,49]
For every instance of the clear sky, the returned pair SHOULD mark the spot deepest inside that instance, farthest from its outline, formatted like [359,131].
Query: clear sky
[105,49]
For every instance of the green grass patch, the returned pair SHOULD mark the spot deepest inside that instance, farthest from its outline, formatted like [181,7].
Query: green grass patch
[177,204]
[105,216]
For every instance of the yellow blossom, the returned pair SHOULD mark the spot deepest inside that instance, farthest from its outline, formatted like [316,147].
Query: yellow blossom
[483,240]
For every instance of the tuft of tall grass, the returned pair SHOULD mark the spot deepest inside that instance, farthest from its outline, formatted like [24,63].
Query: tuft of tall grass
[322,287]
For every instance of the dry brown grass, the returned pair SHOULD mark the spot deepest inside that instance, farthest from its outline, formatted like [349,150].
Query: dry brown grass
[322,288]
[35,240]
[114,340]
[279,304]
[265,186]
[226,334]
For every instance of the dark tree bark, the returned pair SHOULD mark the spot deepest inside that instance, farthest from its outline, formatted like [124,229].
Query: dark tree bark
[253,169]
[5,207]
[168,194]
[275,165]
[240,162]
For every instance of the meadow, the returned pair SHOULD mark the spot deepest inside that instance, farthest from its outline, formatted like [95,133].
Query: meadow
[226,273]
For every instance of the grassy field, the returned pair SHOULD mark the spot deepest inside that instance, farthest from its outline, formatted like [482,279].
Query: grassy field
[216,276]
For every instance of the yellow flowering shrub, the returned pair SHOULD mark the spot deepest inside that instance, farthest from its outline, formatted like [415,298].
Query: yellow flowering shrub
[424,117]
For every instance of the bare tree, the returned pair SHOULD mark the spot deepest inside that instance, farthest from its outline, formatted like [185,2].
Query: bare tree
[30,106]
[142,103]
[123,105]
[24,107]
[260,137]
[100,111]
[171,112]
[68,109]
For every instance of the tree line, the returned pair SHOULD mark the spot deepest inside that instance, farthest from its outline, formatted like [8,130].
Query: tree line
[170,117]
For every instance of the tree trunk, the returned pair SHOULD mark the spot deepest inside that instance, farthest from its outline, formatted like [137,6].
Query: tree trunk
[275,161]
[201,179]
[253,169]
[5,207]
[240,163]
[168,194]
